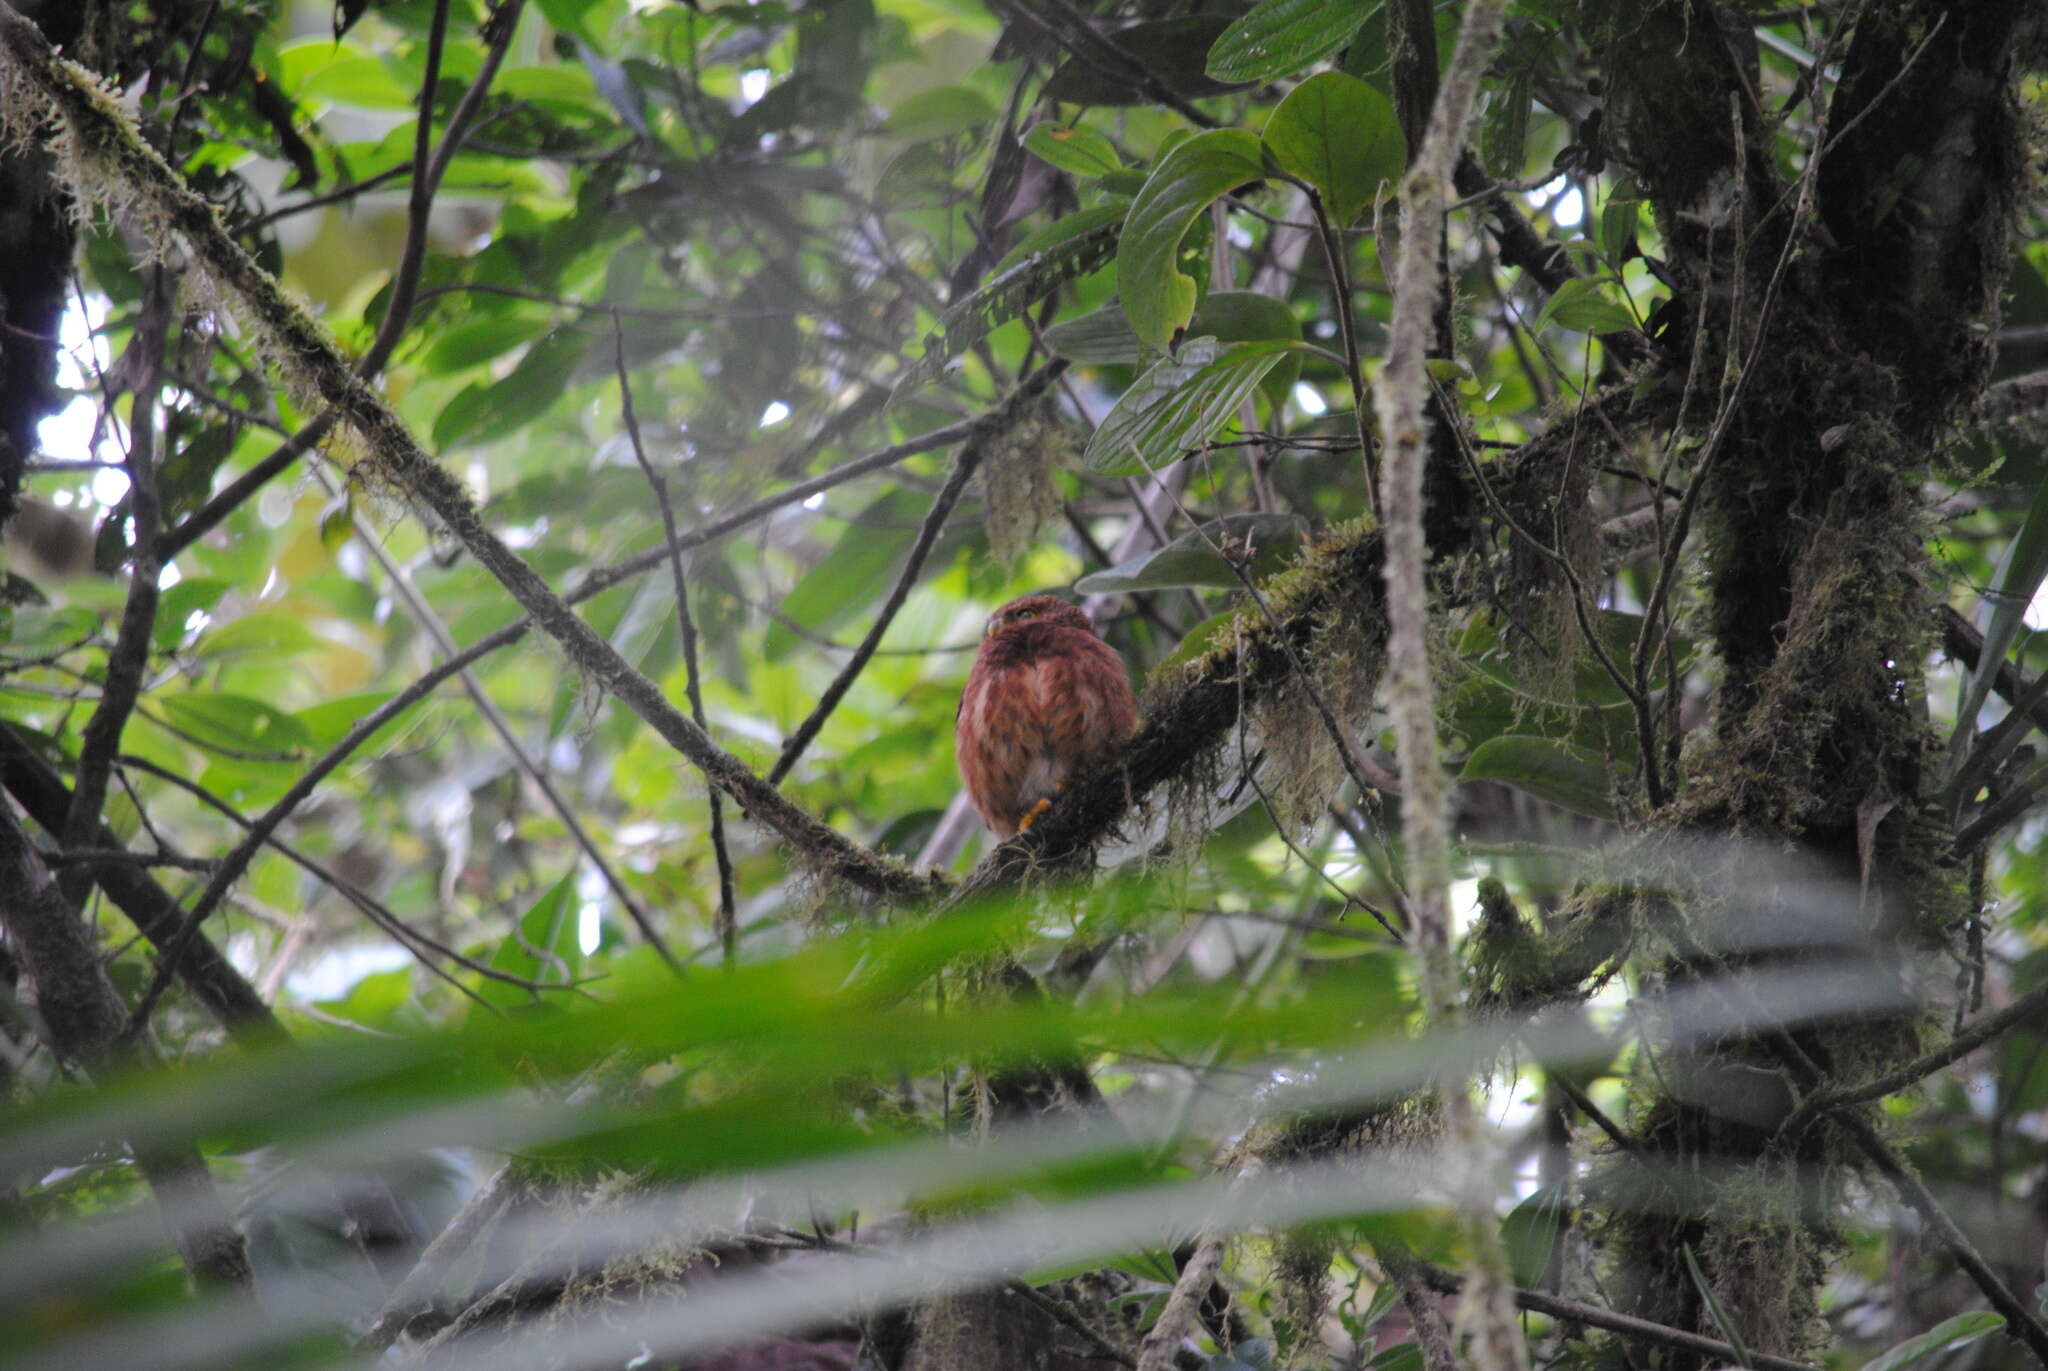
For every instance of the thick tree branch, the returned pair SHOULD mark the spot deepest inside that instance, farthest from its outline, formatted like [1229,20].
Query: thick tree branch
[83,1014]
[129,656]
[212,979]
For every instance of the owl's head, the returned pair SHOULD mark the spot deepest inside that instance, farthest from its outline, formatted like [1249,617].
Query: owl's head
[1038,609]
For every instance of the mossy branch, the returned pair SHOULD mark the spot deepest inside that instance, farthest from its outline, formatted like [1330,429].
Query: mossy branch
[1402,400]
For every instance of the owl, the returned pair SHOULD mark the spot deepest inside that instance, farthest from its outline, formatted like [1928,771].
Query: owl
[1046,697]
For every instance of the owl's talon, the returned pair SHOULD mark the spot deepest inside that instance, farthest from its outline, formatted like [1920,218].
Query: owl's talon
[1024,824]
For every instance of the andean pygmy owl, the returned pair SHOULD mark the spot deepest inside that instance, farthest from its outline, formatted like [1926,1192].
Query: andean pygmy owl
[1045,698]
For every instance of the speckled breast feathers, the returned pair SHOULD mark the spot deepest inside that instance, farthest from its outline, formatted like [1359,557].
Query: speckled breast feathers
[1046,698]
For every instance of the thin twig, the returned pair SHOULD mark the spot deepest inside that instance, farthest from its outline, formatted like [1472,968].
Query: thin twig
[1627,1325]
[727,927]
[121,687]
[964,467]
[972,451]
[1966,1040]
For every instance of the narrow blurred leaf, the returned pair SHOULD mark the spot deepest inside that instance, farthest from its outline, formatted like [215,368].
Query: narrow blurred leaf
[542,947]
[479,340]
[2002,610]
[1529,1234]
[233,722]
[1726,1325]
[854,572]
[1618,220]
[939,112]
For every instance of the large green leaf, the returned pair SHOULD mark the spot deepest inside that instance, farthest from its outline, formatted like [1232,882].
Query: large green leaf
[1157,296]
[1179,405]
[1566,776]
[1260,543]
[939,113]
[1341,136]
[488,411]
[1279,37]
[1528,1235]
[479,340]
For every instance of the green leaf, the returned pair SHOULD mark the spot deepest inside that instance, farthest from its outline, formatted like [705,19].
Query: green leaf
[1158,298]
[328,722]
[1072,247]
[193,595]
[568,16]
[478,341]
[234,723]
[1959,1331]
[1504,131]
[2003,609]
[1279,37]
[1080,151]
[1528,1234]
[939,113]
[1618,220]
[1174,50]
[1341,136]
[487,411]
[1193,560]
[1104,336]
[1581,305]
[543,948]
[362,83]
[1178,405]
[1198,640]
[1566,776]
[854,572]
[275,634]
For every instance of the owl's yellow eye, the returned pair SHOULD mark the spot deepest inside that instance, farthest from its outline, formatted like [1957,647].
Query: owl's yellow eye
[1023,614]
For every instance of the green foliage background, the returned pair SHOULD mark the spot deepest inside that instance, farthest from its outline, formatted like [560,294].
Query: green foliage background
[802,233]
